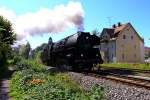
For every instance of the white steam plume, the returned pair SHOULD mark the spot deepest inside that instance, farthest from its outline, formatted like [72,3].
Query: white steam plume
[46,20]
[8,14]
[50,20]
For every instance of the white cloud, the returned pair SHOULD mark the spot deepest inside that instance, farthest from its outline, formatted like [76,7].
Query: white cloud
[8,14]
[45,20]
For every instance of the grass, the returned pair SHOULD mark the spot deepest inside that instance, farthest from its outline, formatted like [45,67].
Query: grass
[33,82]
[30,85]
[141,67]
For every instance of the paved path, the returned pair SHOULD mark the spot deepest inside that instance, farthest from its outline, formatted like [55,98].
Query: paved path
[4,86]
[4,89]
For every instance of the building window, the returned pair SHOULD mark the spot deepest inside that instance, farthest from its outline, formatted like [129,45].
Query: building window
[112,56]
[134,55]
[135,46]
[105,36]
[123,56]
[131,37]
[124,36]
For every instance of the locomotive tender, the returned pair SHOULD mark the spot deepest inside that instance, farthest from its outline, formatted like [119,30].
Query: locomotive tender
[75,52]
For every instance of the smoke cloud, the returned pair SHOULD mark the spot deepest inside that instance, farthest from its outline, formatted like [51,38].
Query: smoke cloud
[55,20]
[8,14]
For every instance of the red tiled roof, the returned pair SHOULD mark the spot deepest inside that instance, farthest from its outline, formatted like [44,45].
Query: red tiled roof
[114,32]
[119,28]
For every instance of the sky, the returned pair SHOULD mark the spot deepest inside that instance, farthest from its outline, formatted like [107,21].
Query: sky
[90,14]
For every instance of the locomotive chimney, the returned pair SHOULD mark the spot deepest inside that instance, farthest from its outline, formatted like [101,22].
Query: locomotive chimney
[119,24]
[114,26]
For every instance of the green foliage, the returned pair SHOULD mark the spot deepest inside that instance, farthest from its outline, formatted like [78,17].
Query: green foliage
[37,56]
[7,34]
[41,47]
[24,51]
[140,67]
[33,82]
[37,50]
[3,69]
[97,92]
[17,59]
[30,64]
[31,85]
[7,38]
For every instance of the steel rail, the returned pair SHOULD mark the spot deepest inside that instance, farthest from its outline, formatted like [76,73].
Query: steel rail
[138,81]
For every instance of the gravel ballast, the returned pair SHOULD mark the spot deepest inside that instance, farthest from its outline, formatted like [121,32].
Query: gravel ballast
[113,90]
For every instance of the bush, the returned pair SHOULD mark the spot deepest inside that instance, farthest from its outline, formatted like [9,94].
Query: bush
[33,82]
[17,59]
[30,64]
[97,92]
[31,85]
[3,69]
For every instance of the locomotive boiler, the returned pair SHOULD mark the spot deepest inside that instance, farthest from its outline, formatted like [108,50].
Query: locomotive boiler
[75,52]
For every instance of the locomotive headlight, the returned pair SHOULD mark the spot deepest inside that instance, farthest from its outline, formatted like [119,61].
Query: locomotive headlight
[81,55]
[96,55]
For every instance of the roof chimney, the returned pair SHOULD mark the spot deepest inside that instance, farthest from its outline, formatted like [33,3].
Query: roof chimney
[114,26]
[119,24]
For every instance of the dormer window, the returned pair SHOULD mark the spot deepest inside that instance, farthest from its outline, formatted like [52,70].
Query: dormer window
[105,37]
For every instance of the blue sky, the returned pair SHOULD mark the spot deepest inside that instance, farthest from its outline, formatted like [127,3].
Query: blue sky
[96,15]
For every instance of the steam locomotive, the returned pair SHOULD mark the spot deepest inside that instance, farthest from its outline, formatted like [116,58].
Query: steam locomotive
[75,52]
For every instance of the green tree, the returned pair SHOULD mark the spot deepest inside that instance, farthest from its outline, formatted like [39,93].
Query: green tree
[46,53]
[7,38]
[41,47]
[36,53]
[25,50]
[28,49]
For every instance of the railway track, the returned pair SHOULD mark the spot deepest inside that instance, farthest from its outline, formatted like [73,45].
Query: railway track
[138,81]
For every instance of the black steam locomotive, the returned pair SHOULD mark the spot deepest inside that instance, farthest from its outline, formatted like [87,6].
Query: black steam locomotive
[75,52]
